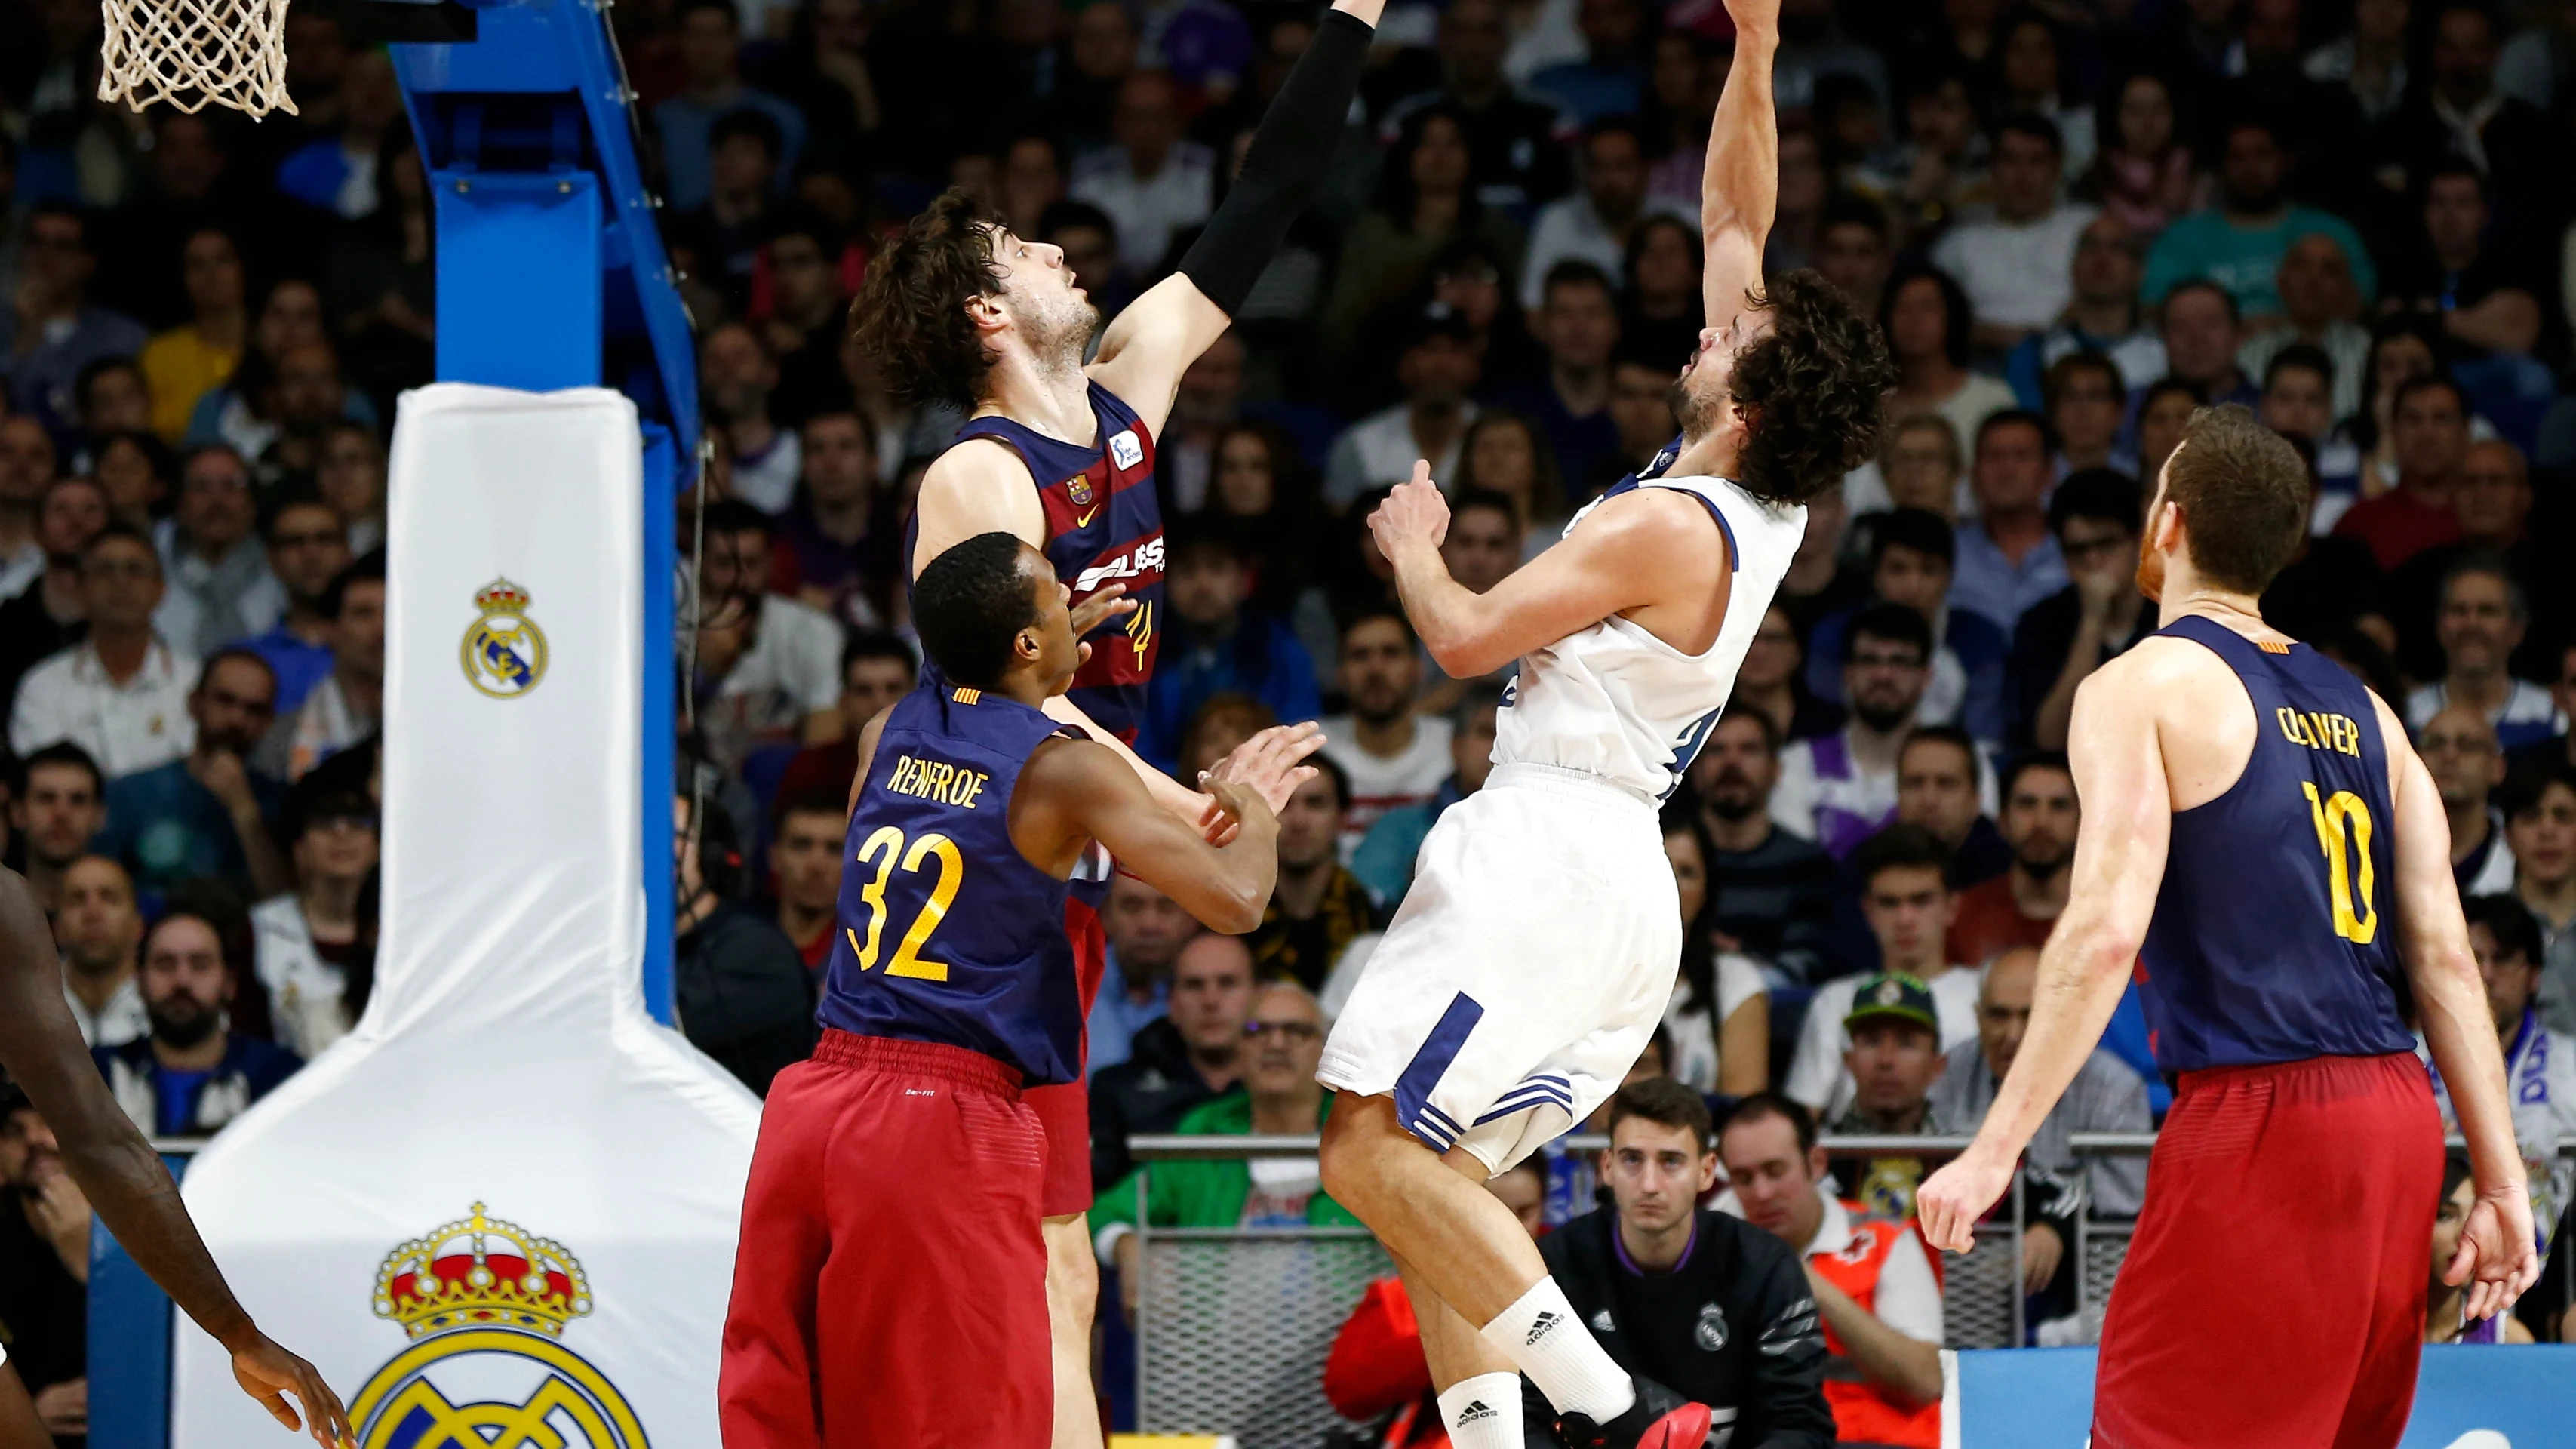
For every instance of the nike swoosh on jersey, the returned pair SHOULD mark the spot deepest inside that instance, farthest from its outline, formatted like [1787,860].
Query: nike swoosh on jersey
[1083,520]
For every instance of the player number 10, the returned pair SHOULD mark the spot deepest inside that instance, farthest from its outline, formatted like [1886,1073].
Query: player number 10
[883,849]
[2331,814]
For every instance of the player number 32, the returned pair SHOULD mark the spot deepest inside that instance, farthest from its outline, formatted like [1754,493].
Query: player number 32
[883,849]
[2334,814]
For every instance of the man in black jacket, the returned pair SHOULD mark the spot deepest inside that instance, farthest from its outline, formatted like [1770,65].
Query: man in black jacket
[1194,1052]
[1705,1304]
[739,988]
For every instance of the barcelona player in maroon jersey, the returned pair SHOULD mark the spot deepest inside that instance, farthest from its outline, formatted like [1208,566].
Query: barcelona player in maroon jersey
[891,1285]
[2264,849]
[1061,455]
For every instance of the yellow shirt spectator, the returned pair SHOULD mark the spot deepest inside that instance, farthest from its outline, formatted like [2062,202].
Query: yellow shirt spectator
[180,366]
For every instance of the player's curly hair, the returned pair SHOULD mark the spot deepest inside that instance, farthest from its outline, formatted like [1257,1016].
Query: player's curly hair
[1810,389]
[910,314]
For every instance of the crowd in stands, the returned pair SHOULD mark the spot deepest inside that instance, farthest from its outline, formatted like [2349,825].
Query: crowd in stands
[2074,220]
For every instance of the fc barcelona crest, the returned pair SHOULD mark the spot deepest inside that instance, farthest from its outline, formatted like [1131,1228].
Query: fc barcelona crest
[1078,488]
[485,1304]
[504,651]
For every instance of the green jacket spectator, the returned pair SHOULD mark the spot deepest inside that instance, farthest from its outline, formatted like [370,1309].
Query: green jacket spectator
[1203,1194]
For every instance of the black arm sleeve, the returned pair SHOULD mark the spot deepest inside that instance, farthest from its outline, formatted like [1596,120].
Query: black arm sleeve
[1784,1402]
[1284,167]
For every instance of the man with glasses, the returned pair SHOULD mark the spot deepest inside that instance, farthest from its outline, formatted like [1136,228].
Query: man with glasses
[122,694]
[2459,748]
[1838,789]
[207,813]
[50,332]
[307,547]
[2098,616]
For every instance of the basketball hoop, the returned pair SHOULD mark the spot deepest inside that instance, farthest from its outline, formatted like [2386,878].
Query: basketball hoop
[196,53]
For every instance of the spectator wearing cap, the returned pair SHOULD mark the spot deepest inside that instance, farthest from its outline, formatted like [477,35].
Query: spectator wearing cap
[2019,905]
[121,694]
[1911,552]
[2101,315]
[348,705]
[2539,1061]
[190,1075]
[1145,932]
[220,586]
[46,616]
[2429,432]
[2539,806]
[876,671]
[2319,302]
[1219,642]
[710,46]
[1189,1055]
[1593,224]
[1896,1053]
[807,833]
[1873,1281]
[99,929]
[2460,752]
[1770,890]
[1838,789]
[829,550]
[2106,1096]
[2016,265]
[2008,560]
[207,813]
[2238,243]
[1517,143]
[1318,908]
[1577,322]
[1904,878]
[1389,754]
[308,546]
[53,331]
[1941,780]
[1438,369]
[2099,615]
[1152,182]
[2482,620]
[1385,857]
[314,948]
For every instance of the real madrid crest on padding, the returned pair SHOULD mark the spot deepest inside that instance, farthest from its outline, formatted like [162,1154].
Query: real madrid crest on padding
[504,652]
[485,1304]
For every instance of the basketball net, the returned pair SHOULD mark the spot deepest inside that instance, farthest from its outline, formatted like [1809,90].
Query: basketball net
[196,53]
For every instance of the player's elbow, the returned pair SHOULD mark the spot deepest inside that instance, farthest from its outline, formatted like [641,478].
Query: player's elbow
[1235,907]
[1467,653]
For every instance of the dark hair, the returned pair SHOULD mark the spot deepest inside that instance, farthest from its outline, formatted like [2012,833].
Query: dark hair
[1769,727]
[911,310]
[805,802]
[1547,490]
[751,122]
[94,369]
[189,455]
[2244,493]
[2104,494]
[1487,498]
[2170,386]
[1942,734]
[72,212]
[1754,1108]
[2015,418]
[1666,1103]
[810,224]
[1919,529]
[1621,124]
[1957,316]
[733,515]
[1811,389]
[368,567]
[1331,772]
[2455,1168]
[2430,382]
[2449,167]
[2038,128]
[330,801]
[2516,932]
[239,654]
[2300,354]
[1901,846]
[875,644]
[682,11]
[2053,381]
[1395,195]
[1893,623]
[1845,209]
[2520,793]
[1575,272]
[63,753]
[1063,216]
[1661,221]
[968,605]
[2493,566]
[2031,760]
[1370,615]
[2235,313]
[157,456]
[120,531]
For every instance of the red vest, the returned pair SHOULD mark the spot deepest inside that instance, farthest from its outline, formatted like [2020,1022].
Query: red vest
[1864,1411]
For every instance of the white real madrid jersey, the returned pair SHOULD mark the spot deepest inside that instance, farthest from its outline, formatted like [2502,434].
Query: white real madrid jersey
[1617,702]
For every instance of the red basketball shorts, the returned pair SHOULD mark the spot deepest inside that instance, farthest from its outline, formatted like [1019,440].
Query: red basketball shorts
[1064,1117]
[2273,1297]
[890,1287]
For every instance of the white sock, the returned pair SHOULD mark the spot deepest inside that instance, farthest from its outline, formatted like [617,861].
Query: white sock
[1483,1412]
[1541,1335]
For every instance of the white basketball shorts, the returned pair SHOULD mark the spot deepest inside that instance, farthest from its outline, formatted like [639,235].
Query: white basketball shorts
[1526,971]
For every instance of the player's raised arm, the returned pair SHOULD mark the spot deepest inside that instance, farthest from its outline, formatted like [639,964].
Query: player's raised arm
[1643,547]
[2496,1247]
[2120,849]
[1740,188]
[1084,791]
[1161,333]
[123,1178]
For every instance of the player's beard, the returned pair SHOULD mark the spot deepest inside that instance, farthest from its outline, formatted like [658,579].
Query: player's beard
[2151,571]
[1697,418]
[1062,334]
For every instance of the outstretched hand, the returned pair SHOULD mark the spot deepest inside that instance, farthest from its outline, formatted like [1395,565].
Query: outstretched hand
[1951,1200]
[1414,512]
[1100,608]
[2497,1258]
[271,1375]
[1268,765]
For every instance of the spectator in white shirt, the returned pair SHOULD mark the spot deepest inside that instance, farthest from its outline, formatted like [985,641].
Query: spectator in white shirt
[1393,756]
[346,706]
[27,464]
[1838,789]
[2017,266]
[1438,368]
[122,694]
[2482,620]
[737,377]
[99,931]
[57,803]
[220,587]
[769,667]
[2320,299]
[2460,752]
[313,949]
[1152,183]
[1905,894]
[1592,225]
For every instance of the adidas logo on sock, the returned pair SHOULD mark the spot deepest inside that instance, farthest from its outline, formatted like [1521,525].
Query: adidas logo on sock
[1540,1325]
[1476,1409]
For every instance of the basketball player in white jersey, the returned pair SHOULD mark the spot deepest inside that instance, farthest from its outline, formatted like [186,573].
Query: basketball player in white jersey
[1538,946]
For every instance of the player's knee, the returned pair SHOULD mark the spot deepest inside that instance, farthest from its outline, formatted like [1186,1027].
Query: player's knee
[1352,1137]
